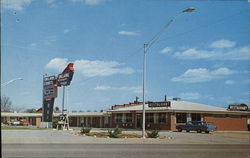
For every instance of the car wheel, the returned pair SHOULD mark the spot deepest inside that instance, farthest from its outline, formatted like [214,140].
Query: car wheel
[206,131]
[187,131]
[198,131]
[179,129]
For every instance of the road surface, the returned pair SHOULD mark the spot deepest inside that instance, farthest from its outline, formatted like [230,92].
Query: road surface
[126,150]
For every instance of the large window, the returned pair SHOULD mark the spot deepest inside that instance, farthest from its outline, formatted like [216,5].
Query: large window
[150,117]
[196,117]
[128,117]
[162,117]
[118,118]
[181,118]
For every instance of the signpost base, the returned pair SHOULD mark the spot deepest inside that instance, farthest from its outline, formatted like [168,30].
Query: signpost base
[63,123]
[46,125]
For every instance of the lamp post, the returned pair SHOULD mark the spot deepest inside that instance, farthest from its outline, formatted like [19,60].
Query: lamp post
[10,81]
[146,48]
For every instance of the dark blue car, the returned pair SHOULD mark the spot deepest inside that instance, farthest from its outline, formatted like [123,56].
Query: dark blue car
[199,126]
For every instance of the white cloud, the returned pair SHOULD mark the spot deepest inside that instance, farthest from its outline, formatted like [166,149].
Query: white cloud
[66,30]
[222,44]
[33,44]
[91,68]
[90,2]
[194,54]
[229,82]
[166,50]
[57,64]
[128,33]
[17,5]
[190,96]
[133,89]
[202,75]
[100,68]
[241,53]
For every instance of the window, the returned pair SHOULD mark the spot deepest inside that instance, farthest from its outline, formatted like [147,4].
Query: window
[150,117]
[118,118]
[181,118]
[128,117]
[162,117]
[196,117]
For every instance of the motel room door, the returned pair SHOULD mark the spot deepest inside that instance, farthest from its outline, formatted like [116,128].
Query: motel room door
[139,121]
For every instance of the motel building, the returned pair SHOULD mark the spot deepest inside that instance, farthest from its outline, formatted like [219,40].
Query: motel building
[164,115]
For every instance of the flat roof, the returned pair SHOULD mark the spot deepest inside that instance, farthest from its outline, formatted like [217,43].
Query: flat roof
[15,114]
[180,106]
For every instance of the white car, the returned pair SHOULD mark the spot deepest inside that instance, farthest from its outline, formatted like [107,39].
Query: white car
[15,122]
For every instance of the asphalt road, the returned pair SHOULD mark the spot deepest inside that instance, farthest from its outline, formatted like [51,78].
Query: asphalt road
[125,150]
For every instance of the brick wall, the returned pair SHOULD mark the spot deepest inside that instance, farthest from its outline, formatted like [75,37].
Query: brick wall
[228,124]
[173,122]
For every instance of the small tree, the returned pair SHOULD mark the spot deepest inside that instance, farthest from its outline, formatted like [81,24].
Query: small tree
[114,133]
[6,104]
[153,134]
[32,110]
[86,129]
[56,109]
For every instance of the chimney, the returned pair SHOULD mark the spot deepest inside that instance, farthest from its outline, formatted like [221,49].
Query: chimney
[165,97]
[136,99]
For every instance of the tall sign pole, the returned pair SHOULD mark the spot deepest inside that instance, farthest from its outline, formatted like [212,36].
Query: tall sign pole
[50,86]
[63,100]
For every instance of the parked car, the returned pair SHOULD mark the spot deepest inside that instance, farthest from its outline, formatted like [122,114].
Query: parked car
[24,123]
[15,123]
[198,126]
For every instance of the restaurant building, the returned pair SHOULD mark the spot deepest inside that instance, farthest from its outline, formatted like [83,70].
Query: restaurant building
[164,115]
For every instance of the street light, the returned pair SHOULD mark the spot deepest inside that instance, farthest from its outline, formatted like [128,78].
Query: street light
[146,48]
[10,81]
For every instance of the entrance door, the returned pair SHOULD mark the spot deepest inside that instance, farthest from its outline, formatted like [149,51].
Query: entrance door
[139,121]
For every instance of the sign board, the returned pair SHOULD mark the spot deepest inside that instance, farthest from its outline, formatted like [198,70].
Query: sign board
[64,79]
[49,87]
[48,106]
[159,104]
[238,107]
[50,92]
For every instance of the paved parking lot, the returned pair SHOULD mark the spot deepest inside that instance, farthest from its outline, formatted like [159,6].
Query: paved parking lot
[54,136]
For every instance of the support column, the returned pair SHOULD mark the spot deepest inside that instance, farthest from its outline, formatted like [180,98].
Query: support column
[87,121]
[173,121]
[91,121]
[189,118]
[100,122]
[77,121]
[155,118]
[123,117]
[202,117]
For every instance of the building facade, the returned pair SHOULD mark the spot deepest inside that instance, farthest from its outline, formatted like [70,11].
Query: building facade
[166,115]
[163,115]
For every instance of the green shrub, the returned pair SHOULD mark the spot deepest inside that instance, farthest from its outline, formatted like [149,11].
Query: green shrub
[114,133]
[153,134]
[86,129]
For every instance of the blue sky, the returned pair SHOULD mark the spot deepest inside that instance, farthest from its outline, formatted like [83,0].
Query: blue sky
[202,57]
